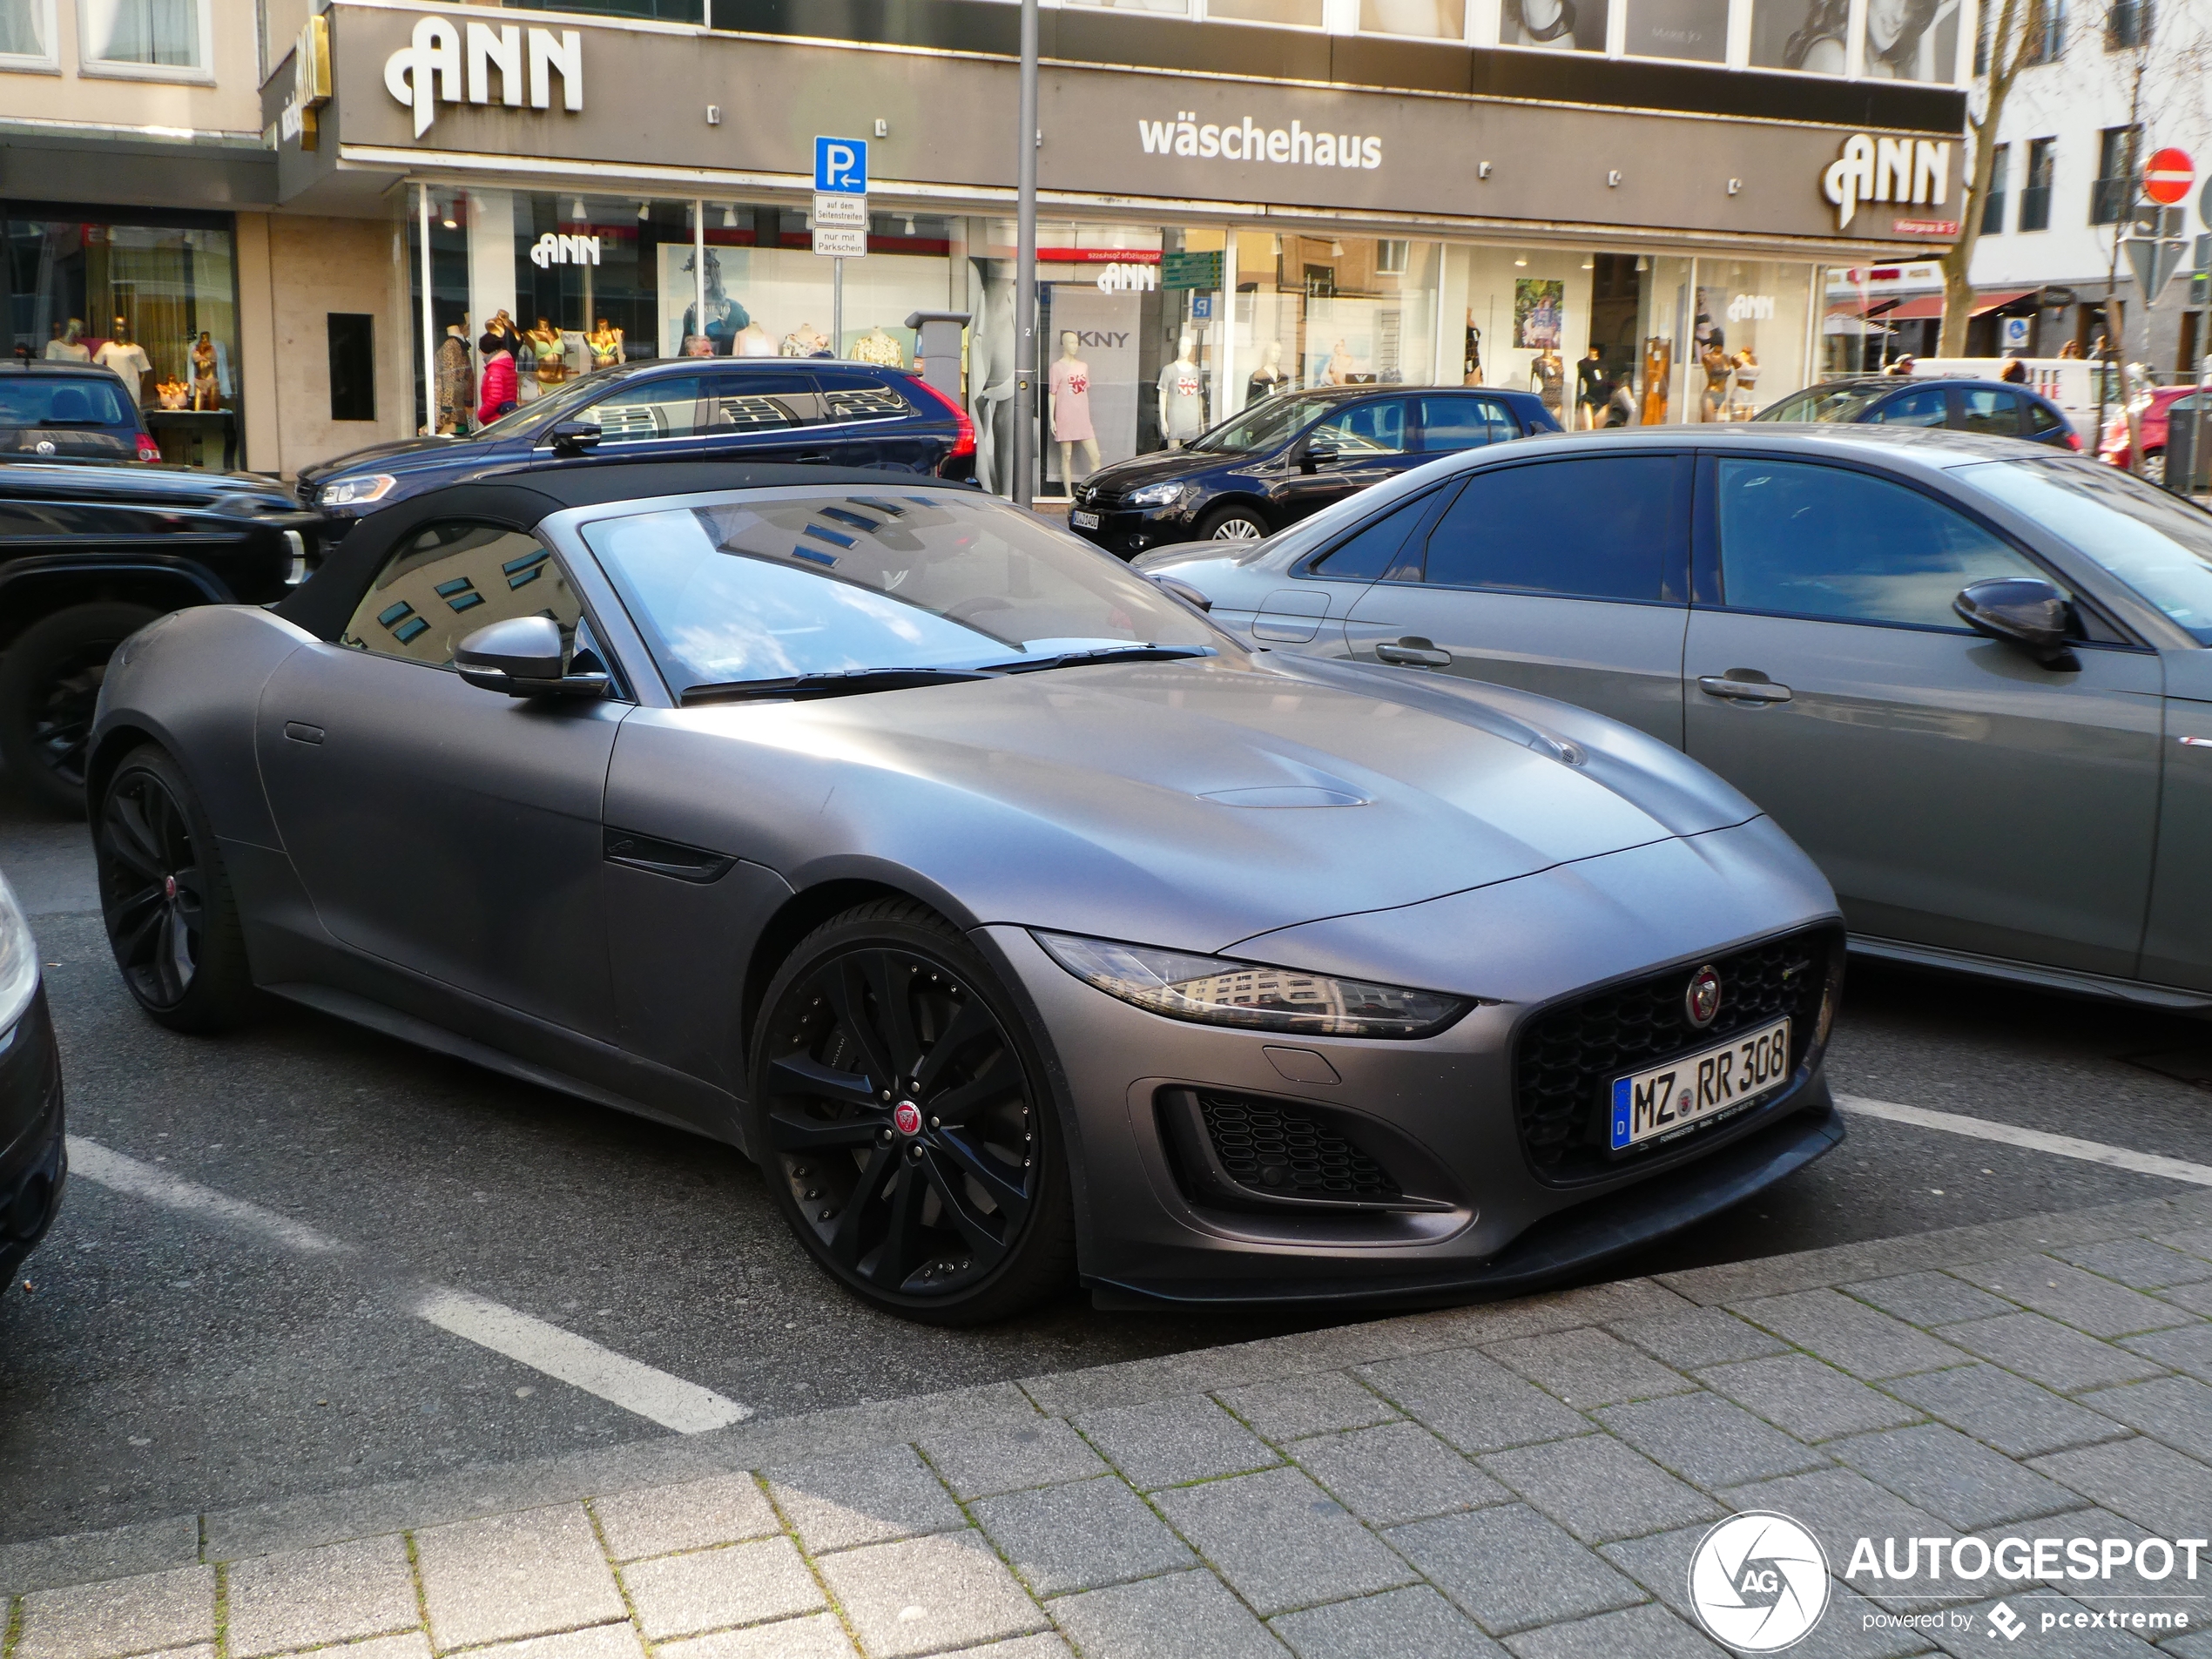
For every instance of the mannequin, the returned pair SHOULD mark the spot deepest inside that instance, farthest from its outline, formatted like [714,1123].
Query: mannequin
[1548,377]
[1590,389]
[1269,377]
[605,342]
[805,341]
[1747,377]
[880,348]
[990,373]
[752,341]
[1069,384]
[126,359]
[205,394]
[549,351]
[1471,364]
[1718,367]
[1658,370]
[456,384]
[69,346]
[1182,415]
[1620,408]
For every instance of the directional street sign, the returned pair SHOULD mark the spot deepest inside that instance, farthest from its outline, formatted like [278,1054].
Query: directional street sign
[2153,263]
[2168,176]
[841,166]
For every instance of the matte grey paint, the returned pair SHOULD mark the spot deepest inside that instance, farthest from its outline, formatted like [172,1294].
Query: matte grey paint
[1973,808]
[438,868]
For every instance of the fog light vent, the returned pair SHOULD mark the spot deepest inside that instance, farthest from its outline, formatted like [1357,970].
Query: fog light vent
[1272,1147]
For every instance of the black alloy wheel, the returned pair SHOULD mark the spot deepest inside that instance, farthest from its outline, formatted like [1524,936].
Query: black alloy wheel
[50,690]
[171,917]
[902,1124]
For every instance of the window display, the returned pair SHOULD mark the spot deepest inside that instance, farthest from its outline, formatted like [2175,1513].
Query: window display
[1437,19]
[1554,25]
[1697,30]
[1751,315]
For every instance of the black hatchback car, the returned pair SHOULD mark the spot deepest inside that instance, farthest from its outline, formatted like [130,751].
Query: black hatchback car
[66,408]
[773,410]
[1994,409]
[1289,455]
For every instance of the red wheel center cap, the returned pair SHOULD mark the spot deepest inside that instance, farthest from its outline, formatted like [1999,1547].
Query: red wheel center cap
[168,887]
[908,1116]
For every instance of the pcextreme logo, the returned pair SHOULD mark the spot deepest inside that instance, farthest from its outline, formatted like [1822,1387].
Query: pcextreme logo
[1247,140]
[430,67]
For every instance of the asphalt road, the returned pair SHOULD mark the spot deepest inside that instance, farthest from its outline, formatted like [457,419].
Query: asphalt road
[165,1361]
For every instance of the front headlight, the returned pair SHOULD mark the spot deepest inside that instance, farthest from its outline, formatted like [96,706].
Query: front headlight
[1158,495]
[355,492]
[1215,990]
[18,962]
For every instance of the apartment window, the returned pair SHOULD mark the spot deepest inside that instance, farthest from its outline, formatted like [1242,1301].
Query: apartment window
[2128,25]
[1993,205]
[27,34]
[146,39]
[353,366]
[2049,45]
[2115,192]
[2036,190]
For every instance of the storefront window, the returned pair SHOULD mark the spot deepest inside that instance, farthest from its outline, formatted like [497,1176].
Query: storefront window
[1748,334]
[1553,25]
[156,303]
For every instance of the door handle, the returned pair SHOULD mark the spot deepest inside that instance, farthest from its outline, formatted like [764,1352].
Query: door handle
[1414,652]
[1743,691]
[814,458]
[300,731]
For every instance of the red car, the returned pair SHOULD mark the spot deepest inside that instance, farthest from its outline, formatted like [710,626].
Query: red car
[2114,451]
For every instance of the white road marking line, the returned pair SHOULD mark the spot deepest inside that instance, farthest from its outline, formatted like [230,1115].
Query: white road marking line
[578,1361]
[581,1362]
[95,1164]
[2035,1140]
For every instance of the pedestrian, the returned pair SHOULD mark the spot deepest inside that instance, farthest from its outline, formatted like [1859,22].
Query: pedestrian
[1902,369]
[2015,371]
[499,382]
[2071,352]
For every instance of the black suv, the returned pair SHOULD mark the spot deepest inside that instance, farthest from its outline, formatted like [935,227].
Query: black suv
[91,551]
[774,409]
[1288,456]
[65,408]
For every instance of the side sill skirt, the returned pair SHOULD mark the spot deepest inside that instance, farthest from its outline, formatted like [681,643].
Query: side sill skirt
[2174,998]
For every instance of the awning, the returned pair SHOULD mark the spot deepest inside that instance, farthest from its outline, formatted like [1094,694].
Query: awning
[1843,323]
[1929,306]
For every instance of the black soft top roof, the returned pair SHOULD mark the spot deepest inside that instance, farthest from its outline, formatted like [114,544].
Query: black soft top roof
[519,496]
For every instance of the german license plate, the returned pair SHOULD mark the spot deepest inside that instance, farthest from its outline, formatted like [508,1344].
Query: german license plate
[1652,1105]
[1084,521]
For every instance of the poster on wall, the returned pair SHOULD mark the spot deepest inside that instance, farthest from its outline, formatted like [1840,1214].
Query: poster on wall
[1697,30]
[1340,342]
[1905,40]
[1539,313]
[1553,25]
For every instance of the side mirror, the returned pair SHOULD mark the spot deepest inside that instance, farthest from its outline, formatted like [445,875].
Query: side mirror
[573,438]
[523,656]
[2022,610]
[1318,455]
[1184,591]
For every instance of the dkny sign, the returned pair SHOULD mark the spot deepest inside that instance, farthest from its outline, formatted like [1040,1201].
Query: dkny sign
[444,62]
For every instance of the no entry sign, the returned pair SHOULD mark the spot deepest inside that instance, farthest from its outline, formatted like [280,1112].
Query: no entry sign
[2168,176]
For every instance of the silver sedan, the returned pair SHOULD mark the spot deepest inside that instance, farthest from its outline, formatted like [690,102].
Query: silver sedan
[1970,677]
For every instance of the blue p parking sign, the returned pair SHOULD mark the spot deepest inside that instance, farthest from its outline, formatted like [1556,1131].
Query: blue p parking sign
[841,166]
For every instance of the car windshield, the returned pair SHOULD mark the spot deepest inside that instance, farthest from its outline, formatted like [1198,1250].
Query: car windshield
[2158,545]
[547,408]
[850,582]
[95,401]
[1846,403]
[1274,420]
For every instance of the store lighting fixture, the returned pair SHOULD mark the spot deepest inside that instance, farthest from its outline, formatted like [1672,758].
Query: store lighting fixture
[1335,250]
[1589,264]
[644,210]
[1643,262]
[1521,264]
[910,224]
[576,211]
[729,216]
[450,218]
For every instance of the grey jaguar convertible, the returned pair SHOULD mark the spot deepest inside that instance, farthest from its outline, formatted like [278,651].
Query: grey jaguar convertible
[1019,922]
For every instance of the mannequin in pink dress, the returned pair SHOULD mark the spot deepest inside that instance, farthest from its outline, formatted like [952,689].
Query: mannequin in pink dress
[1069,384]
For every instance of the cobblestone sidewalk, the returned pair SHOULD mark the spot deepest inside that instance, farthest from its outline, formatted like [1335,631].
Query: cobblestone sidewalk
[1528,1477]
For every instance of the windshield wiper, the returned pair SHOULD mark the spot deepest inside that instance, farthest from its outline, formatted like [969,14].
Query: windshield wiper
[1104,654]
[847,682]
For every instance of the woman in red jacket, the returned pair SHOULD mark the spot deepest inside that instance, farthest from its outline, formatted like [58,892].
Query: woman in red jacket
[499,378]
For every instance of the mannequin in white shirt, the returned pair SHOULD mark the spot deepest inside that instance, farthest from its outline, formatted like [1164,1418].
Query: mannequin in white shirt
[126,359]
[1182,412]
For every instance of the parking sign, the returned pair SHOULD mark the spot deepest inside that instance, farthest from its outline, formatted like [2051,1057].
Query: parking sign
[841,166]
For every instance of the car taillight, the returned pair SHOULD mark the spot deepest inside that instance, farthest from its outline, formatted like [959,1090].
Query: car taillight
[148,449]
[2074,440]
[964,439]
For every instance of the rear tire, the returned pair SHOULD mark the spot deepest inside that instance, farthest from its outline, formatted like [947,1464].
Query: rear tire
[2154,467]
[900,1113]
[50,687]
[1232,523]
[172,918]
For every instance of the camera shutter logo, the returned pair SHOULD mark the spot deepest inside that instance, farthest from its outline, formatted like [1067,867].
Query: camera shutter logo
[1758,1582]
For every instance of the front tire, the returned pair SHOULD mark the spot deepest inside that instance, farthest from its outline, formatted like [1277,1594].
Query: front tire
[172,918]
[2154,467]
[49,688]
[1232,523]
[901,1114]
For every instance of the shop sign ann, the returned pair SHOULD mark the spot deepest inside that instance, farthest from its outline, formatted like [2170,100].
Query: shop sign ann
[430,68]
[552,248]
[1886,170]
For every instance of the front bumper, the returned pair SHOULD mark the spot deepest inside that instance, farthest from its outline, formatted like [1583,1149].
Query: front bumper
[1468,1211]
[1128,531]
[34,1163]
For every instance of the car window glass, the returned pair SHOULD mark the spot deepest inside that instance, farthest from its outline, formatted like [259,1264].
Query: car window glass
[1814,541]
[1838,402]
[1364,429]
[759,402]
[833,583]
[848,400]
[1451,423]
[1600,527]
[1914,408]
[40,401]
[445,581]
[2159,546]
[1368,552]
[1989,409]
[648,409]
[2040,418]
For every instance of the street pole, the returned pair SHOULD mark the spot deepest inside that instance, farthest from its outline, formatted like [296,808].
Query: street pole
[1025,266]
[430,322]
[837,307]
